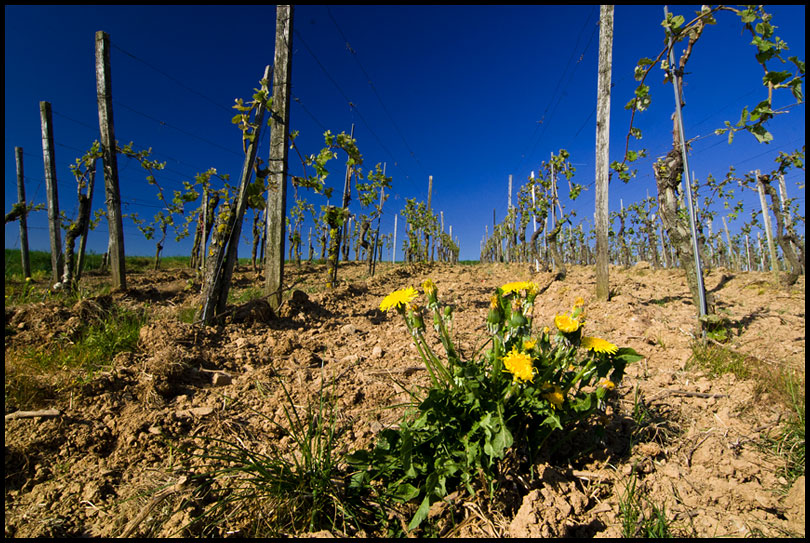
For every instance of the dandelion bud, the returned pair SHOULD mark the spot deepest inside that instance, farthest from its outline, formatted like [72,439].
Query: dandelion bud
[517,320]
[415,316]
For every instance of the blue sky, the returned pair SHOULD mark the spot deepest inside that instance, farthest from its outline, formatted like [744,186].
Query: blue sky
[455,92]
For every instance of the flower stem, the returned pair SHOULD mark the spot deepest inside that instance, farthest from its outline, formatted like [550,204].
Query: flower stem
[579,375]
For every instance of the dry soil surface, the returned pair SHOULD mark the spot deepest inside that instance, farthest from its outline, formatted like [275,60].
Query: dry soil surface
[100,466]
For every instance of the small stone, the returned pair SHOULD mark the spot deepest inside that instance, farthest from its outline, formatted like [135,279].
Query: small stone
[349,359]
[220,379]
[193,412]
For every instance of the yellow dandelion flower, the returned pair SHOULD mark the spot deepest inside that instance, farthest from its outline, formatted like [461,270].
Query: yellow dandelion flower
[429,287]
[529,344]
[519,364]
[598,345]
[398,298]
[579,302]
[511,287]
[516,286]
[565,323]
[555,397]
[493,302]
[607,383]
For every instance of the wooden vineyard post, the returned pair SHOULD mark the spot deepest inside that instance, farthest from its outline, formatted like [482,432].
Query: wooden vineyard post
[225,247]
[279,145]
[441,223]
[687,189]
[781,234]
[766,217]
[512,242]
[428,249]
[46,121]
[26,261]
[394,246]
[728,244]
[602,151]
[494,239]
[534,230]
[507,223]
[109,156]
[748,254]
[713,259]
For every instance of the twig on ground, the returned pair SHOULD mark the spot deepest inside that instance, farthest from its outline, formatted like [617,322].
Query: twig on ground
[44,413]
[677,392]
[179,486]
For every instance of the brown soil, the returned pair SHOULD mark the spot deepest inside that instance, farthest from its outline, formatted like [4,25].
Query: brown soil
[99,467]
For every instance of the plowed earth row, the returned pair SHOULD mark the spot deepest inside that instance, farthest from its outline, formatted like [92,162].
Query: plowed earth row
[94,470]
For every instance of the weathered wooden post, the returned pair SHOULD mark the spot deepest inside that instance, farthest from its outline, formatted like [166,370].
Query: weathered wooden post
[46,122]
[766,218]
[26,261]
[428,248]
[534,229]
[109,156]
[728,244]
[602,151]
[277,162]
[394,246]
[748,254]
